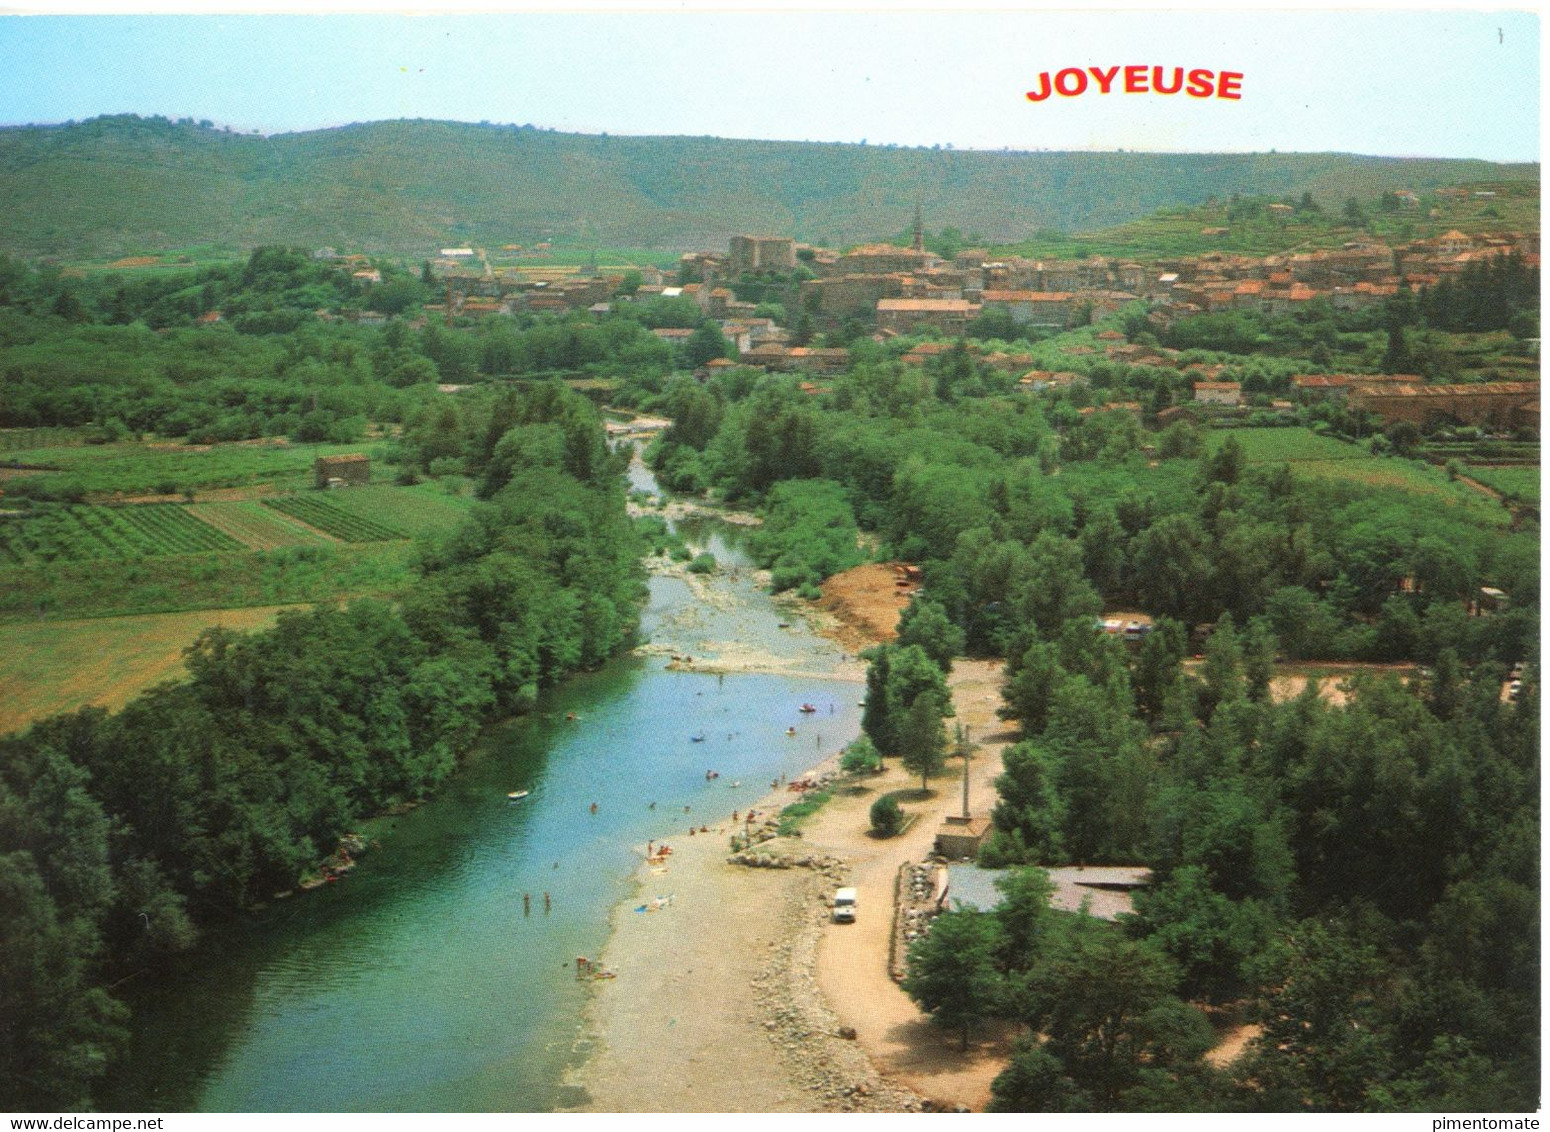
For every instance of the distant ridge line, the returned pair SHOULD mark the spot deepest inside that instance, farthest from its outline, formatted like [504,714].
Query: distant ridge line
[122,184]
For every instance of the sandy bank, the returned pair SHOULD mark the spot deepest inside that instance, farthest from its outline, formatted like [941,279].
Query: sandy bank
[715,1006]
[744,963]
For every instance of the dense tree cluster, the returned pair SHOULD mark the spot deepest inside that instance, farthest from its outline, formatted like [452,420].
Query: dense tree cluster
[118,833]
[288,355]
[1336,570]
[1358,878]
[1361,879]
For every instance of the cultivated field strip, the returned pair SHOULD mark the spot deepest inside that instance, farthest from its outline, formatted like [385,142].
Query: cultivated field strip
[257,527]
[332,520]
[85,532]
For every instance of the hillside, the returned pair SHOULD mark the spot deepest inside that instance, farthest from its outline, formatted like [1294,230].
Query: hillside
[123,185]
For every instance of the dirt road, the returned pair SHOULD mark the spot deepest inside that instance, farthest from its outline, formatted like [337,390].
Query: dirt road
[852,958]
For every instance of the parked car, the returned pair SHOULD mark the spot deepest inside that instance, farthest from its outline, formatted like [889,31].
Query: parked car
[845,906]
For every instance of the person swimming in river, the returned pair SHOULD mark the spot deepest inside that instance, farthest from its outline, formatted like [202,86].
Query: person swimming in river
[594,807]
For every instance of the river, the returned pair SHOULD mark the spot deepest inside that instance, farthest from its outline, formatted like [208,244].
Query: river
[421,981]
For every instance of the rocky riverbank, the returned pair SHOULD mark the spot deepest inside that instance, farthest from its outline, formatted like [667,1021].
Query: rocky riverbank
[710,983]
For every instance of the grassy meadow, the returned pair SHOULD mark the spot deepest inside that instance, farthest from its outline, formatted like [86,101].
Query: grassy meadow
[131,468]
[1522,482]
[1326,458]
[51,666]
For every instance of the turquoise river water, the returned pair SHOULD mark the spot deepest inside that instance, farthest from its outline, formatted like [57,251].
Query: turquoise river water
[420,982]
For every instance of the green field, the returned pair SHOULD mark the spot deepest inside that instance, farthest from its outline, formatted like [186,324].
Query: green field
[1522,482]
[1338,461]
[1286,445]
[425,509]
[338,522]
[18,439]
[322,572]
[48,667]
[136,468]
[230,553]
[255,526]
[88,533]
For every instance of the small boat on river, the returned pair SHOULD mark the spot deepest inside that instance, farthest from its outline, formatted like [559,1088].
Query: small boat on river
[807,709]
[518,795]
[700,738]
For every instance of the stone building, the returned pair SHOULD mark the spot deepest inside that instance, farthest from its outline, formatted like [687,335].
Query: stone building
[750,255]
[341,471]
[902,316]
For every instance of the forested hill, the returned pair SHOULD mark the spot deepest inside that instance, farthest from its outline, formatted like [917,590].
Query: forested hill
[123,185]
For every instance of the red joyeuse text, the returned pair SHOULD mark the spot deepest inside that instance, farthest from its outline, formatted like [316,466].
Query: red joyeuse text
[1201,83]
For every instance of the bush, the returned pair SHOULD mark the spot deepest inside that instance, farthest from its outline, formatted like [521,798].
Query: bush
[887,817]
[809,533]
[861,757]
[792,816]
[703,564]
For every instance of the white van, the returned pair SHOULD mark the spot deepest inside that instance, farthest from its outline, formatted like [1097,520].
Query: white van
[845,906]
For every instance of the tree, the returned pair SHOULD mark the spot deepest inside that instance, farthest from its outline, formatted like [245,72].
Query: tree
[1026,920]
[1259,656]
[875,722]
[886,816]
[1208,935]
[1157,664]
[1030,812]
[861,757]
[922,738]
[1226,464]
[952,970]
[802,329]
[1401,434]
[1172,563]
[1445,694]
[705,344]
[1029,686]
[1103,551]
[59,1031]
[1053,589]
[1223,665]
[1117,1038]
[896,676]
[1322,1047]
[924,623]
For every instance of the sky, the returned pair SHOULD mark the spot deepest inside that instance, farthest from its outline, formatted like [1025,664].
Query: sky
[1435,83]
